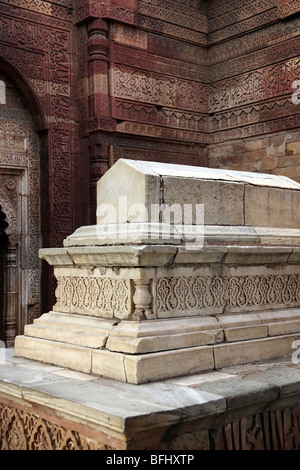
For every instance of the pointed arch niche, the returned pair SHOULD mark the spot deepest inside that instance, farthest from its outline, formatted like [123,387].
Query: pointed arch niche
[20,206]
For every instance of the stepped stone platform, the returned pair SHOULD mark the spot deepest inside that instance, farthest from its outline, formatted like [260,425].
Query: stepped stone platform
[187,269]
[177,319]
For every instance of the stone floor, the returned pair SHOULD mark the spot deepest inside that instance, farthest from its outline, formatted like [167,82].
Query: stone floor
[123,409]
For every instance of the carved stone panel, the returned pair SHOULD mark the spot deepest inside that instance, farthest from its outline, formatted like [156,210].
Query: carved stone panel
[21,430]
[190,294]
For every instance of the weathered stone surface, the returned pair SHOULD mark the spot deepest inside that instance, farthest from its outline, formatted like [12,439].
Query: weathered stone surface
[108,364]
[52,352]
[247,332]
[223,202]
[251,404]
[264,207]
[287,379]
[140,187]
[257,255]
[141,368]
[243,352]
[284,327]
[232,200]
[75,337]
[149,336]
[243,392]
[97,403]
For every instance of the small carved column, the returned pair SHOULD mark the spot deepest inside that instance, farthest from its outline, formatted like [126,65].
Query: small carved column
[98,68]
[11,295]
[142,300]
[101,123]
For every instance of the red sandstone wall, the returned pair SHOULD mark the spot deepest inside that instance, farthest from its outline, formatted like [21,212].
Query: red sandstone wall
[38,46]
[143,82]
[193,82]
[38,38]
[254,62]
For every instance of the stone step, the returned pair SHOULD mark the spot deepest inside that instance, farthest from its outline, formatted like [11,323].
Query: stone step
[63,335]
[162,342]
[244,352]
[141,368]
[134,337]
[76,322]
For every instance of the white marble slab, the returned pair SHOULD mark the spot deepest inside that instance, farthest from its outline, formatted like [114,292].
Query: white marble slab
[186,171]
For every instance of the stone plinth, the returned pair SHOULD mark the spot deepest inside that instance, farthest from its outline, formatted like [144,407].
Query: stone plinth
[142,299]
[250,407]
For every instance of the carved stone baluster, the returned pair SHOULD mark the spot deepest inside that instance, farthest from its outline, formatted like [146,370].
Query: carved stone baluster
[142,299]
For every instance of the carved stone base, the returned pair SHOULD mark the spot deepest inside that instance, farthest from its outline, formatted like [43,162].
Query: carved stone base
[139,352]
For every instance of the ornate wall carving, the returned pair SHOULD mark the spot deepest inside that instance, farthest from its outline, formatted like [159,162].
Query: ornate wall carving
[47,63]
[268,430]
[96,296]
[20,430]
[175,12]
[38,39]
[186,295]
[251,74]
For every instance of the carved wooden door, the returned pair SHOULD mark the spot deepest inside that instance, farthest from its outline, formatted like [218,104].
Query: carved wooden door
[3,248]
[10,200]
[19,201]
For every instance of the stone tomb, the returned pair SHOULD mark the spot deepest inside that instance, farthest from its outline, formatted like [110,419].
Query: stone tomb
[161,288]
